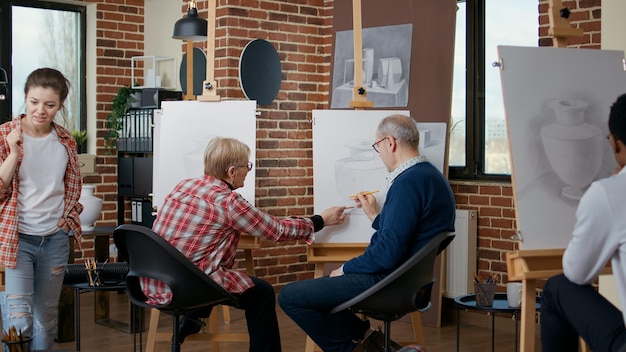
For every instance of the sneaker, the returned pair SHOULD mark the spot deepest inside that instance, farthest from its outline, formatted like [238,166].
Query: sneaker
[375,343]
[188,327]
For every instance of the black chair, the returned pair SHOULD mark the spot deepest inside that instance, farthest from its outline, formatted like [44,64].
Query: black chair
[150,256]
[405,290]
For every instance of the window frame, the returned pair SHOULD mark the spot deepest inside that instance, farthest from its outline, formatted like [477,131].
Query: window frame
[6,32]
[475,124]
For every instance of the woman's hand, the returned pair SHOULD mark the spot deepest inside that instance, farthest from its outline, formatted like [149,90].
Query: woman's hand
[333,216]
[63,225]
[15,140]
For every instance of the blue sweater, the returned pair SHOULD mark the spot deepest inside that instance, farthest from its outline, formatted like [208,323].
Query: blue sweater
[418,206]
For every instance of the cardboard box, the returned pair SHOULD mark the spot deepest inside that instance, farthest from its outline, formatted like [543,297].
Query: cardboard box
[87,163]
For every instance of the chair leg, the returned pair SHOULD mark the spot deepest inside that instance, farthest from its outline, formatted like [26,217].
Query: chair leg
[387,346]
[175,342]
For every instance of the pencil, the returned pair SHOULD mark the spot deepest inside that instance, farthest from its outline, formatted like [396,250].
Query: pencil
[364,193]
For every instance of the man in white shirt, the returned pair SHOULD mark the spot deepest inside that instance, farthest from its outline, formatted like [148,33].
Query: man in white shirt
[570,306]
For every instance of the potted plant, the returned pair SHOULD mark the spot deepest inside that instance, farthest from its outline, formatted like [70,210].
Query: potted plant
[80,136]
[115,120]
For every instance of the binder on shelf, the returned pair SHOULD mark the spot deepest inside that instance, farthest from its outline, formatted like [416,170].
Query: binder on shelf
[133,210]
[136,133]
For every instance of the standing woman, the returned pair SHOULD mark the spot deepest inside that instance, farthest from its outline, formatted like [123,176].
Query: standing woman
[40,186]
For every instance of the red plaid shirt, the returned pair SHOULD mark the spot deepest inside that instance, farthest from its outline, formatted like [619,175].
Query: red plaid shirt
[203,218]
[8,196]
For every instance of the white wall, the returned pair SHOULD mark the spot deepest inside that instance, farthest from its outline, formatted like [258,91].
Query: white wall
[160,17]
[613,25]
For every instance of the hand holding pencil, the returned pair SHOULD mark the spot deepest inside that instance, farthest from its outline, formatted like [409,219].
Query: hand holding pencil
[367,203]
[356,196]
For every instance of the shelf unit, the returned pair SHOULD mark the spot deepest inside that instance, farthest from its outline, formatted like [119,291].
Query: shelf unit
[134,163]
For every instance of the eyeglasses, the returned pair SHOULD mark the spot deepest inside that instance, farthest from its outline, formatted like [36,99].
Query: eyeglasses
[249,165]
[375,145]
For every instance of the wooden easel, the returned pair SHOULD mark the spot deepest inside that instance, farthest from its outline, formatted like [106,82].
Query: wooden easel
[560,28]
[529,266]
[209,86]
[322,253]
[359,92]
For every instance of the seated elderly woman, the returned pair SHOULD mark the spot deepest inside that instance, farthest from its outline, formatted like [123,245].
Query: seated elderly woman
[204,217]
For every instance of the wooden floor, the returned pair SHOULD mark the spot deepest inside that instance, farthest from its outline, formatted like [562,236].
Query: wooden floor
[475,332]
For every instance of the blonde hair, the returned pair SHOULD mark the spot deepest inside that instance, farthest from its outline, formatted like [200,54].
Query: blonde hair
[222,153]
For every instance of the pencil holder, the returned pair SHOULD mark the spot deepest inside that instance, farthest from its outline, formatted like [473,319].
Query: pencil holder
[484,293]
[17,346]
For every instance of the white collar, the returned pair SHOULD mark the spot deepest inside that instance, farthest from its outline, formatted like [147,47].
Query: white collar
[407,164]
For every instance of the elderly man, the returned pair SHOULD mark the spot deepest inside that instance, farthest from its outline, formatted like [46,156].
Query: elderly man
[419,205]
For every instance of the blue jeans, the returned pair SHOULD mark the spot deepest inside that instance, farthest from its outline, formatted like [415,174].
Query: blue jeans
[33,287]
[309,303]
[569,311]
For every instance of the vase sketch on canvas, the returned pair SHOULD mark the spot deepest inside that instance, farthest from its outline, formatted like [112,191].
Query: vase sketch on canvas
[362,170]
[573,146]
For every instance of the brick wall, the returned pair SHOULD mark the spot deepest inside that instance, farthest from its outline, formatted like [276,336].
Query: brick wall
[585,14]
[119,36]
[301,32]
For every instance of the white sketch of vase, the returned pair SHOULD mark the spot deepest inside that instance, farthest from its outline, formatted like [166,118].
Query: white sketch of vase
[573,146]
[361,171]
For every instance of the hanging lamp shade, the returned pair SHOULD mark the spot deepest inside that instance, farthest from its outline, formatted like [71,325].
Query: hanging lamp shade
[192,27]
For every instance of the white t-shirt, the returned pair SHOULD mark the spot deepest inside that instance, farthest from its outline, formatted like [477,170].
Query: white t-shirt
[41,191]
[600,235]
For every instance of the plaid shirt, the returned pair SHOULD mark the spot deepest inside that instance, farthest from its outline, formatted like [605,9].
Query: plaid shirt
[8,196]
[203,218]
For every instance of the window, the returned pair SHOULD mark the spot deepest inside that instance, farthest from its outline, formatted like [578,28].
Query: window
[44,34]
[478,140]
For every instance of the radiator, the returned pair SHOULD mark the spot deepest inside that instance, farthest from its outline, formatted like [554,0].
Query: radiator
[461,255]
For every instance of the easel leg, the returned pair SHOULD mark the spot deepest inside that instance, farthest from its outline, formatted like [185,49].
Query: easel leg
[418,330]
[310,345]
[527,340]
[214,329]
[152,330]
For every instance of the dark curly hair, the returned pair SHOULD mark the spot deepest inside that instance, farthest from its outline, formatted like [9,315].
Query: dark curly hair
[617,119]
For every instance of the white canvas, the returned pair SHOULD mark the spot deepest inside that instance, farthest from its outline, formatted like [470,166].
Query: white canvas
[554,162]
[186,127]
[345,163]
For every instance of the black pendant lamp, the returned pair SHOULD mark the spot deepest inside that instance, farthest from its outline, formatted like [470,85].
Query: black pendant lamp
[192,27]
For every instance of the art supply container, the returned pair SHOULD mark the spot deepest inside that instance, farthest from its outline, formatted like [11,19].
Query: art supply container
[484,294]
[18,346]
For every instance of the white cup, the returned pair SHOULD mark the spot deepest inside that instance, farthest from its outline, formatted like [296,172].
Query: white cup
[514,294]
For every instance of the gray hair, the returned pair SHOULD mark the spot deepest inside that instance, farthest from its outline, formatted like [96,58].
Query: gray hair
[401,127]
[222,153]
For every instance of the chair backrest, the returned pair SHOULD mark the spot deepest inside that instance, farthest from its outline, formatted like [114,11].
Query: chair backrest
[407,288]
[151,256]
